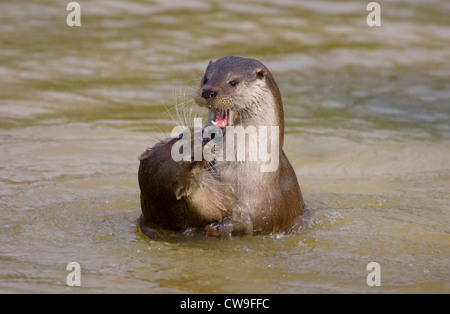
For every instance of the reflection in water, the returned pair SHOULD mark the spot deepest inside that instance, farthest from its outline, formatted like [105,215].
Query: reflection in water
[367,132]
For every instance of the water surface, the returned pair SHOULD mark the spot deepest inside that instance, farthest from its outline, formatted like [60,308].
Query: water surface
[367,131]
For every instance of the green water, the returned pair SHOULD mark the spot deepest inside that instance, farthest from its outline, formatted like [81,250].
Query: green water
[367,130]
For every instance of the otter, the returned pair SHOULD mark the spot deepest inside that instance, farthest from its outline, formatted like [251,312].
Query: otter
[178,196]
[224,197]
[182,198]
[243,92]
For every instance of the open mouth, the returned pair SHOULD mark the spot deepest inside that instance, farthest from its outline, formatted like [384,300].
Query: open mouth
[222,118]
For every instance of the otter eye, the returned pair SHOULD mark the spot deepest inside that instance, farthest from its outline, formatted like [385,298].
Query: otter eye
[205,80]
[233,83]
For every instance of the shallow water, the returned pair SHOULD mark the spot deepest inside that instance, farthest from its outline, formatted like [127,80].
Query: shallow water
[367,131]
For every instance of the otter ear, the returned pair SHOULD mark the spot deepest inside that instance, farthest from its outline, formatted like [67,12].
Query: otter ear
[261,73]
[180,193]
[146,154]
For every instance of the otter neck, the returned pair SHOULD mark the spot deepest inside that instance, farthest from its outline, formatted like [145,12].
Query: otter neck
[269,113]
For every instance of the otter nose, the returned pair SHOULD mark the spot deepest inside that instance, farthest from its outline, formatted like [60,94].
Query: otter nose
[209,94]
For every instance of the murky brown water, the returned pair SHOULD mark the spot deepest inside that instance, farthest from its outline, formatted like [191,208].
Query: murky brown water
[367,130]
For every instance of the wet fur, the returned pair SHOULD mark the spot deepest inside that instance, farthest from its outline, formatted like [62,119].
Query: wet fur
[178,196]
[221,198]
[273,200]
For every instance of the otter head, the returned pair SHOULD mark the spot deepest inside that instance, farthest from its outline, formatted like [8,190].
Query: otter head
[236,90]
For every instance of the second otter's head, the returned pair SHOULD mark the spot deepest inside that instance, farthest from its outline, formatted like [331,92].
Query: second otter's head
[236,90]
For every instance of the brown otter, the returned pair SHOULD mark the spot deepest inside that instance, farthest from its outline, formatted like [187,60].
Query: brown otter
[242,92]
[181,197]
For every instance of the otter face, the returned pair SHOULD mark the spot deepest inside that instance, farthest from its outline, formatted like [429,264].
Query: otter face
[233,89]
[189,174]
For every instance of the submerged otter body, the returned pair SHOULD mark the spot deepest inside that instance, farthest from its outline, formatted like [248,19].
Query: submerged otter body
[242,92]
